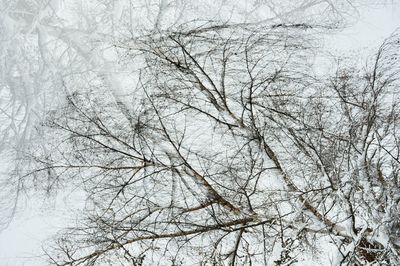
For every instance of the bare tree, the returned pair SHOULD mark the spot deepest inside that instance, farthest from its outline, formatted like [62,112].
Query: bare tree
[47,43]
[231,151]
[228,150]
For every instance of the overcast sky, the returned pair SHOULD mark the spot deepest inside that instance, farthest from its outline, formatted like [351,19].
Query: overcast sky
[373,26]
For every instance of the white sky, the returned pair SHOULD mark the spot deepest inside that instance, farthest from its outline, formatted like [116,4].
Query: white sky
[21,241]
[374,25]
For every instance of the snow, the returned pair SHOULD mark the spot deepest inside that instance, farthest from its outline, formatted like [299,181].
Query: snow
[20,243]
